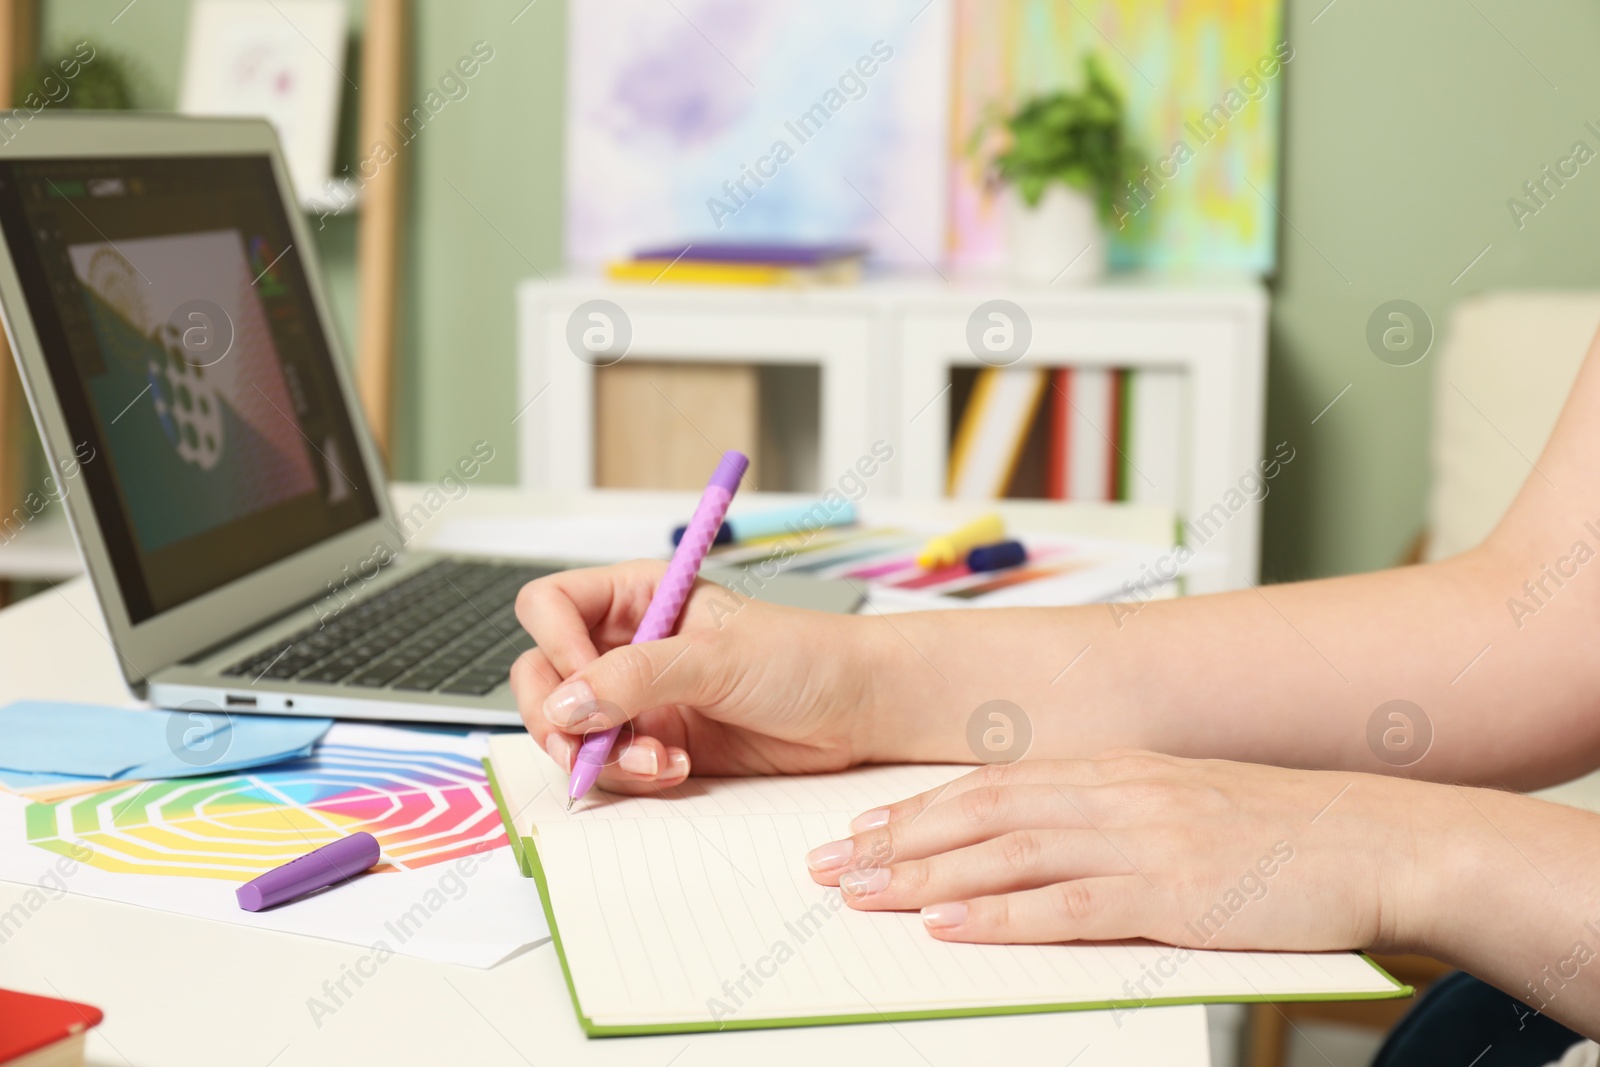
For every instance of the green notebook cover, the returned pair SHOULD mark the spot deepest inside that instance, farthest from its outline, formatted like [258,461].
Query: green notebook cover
[527,853]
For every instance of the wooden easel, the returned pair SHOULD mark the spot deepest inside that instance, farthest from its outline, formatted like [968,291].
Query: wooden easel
[18,37]
[378,240]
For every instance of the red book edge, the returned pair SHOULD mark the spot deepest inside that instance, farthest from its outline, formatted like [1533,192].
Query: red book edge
[1060,433]
[35,1022]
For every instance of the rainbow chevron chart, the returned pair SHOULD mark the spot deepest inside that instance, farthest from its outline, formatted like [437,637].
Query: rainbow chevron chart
[426,805]
[447,889]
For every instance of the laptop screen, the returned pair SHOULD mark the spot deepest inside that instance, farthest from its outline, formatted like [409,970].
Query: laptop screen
[177,323]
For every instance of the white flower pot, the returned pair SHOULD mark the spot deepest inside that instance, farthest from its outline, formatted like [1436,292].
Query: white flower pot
[1060,241]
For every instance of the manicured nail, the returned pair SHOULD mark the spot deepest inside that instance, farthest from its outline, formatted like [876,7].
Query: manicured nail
[944,916]
[677,763]
[831,856]
[638,759]
[871,820]
[568,703]
[560,750]
[865,882]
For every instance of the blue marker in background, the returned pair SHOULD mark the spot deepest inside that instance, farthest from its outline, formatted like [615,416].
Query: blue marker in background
[799,519]
[996,557]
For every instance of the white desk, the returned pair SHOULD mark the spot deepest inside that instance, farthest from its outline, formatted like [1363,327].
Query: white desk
[181,991]
[1130,522]
[41,551]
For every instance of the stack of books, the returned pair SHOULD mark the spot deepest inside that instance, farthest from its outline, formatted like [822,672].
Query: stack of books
[1070,433]
[763,264]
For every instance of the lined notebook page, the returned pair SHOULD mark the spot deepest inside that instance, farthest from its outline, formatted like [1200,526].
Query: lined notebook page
[699,909]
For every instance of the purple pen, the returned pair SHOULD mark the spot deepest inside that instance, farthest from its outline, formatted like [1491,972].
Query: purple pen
[662,614]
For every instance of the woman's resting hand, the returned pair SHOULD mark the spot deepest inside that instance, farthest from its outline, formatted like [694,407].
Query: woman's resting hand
[1199,853]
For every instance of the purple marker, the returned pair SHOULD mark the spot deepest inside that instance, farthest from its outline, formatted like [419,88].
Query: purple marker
[662,614]
[315,870]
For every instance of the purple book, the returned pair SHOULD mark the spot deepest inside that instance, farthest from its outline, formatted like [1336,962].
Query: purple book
[777,254]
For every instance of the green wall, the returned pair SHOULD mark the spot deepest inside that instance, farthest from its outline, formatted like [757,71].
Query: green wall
[486,213]
[483,203]
[1407,125]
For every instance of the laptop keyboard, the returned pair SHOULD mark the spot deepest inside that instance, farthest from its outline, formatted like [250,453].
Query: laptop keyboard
[449,628]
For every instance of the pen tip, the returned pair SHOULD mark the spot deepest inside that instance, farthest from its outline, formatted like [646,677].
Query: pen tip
[571,801]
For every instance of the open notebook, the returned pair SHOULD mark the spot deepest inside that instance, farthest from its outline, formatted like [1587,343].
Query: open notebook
[693,911]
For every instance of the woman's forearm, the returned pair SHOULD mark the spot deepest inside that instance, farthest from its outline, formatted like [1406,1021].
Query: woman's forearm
[1510,894]
[1286,674]
[1494,647]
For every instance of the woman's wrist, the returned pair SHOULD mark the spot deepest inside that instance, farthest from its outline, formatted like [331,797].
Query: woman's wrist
[899,719]
[1420,892]
[874,724]
[1457,875]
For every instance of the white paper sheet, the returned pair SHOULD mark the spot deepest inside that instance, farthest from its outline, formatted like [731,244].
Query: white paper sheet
[475,919]
[448,888]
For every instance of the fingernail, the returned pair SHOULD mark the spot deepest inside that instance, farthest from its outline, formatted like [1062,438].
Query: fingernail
[677,763]
[638,759]
[944,916]
[560,750]
[567,704]
[865,882]
[871,820]
[830,856]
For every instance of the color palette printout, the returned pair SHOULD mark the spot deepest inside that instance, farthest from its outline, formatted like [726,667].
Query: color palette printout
[882,561]
[446,888]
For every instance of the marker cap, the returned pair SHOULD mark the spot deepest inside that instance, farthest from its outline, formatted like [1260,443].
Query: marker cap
[730,470]
[996,556]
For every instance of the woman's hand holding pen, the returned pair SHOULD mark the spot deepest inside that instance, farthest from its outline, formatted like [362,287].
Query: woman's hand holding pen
[743,687]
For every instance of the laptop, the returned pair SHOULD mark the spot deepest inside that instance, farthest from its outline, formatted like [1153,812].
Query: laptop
[163,300]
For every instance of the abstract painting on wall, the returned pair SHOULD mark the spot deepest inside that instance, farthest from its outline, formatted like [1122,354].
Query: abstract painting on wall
[1203,81]
[791,120]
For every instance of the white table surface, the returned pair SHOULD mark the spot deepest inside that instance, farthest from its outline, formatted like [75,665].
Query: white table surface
[43,550]
[1131,522]
[40,551]
[177,990]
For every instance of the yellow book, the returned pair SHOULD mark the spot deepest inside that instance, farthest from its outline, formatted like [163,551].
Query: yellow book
[993,428]
[704,272]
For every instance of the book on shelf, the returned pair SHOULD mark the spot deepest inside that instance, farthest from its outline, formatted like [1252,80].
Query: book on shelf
[1154,439]
[778,254]
[1085,458]
[743,264]
[1105,434]
[992,429]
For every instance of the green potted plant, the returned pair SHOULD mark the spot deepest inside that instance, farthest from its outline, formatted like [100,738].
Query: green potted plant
[100,80]
[1065,165]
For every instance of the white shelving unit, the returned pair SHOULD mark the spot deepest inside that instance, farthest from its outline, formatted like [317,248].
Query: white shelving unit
[885,350]
[556,431]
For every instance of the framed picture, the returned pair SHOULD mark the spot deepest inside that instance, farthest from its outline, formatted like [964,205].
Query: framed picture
[784,120]
[280,59]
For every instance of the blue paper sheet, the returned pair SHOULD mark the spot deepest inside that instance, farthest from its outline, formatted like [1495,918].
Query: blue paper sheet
[42,739]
